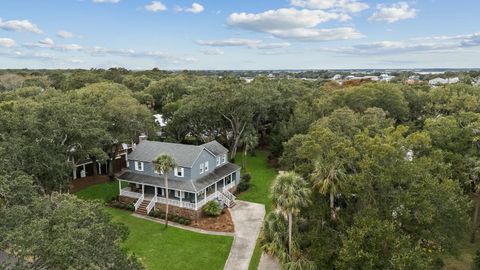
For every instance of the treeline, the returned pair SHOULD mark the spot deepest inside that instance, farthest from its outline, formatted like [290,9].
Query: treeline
[389,167]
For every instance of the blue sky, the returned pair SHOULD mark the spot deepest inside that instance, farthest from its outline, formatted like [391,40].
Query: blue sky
[239,34]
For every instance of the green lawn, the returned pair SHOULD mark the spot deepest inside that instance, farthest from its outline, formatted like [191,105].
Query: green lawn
[164,249]
[259,192]
[262,178]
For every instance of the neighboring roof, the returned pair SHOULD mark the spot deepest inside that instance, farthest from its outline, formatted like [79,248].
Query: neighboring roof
[185,185]
[184,154]
[215,147]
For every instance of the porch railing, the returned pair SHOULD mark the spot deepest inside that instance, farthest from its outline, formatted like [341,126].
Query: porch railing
[229,195]
[139,202]
[183,204]
[130,194]
[224,198]
[229,186]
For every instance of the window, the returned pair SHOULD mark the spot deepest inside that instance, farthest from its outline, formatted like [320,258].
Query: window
[201,168]
[206,166]
[218,161]
[139,166]
[224,158]
[179,194]
[178,172]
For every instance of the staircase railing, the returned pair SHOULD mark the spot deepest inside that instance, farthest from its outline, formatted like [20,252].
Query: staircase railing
[151,205]
[229,195]
[139,202]
[224,198]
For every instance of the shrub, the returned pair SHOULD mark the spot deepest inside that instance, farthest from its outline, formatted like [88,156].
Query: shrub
[247,177]
[212,208]
[243,186]
[187,221]
[476,261]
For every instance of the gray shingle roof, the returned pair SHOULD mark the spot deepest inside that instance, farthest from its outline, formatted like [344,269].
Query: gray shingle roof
[185,185]
[215,147]
[184,154]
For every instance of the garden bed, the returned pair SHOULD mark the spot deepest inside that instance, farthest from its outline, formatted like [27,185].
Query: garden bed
[222,223]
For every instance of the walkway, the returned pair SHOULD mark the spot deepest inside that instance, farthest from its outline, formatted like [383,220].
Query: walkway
[248,219]
[268,262]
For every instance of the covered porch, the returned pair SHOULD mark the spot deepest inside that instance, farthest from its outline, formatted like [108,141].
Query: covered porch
[192,196]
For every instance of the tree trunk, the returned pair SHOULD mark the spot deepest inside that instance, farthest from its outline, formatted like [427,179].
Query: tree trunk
[245,159]
[332,205]
[236,140]
[95,166]
[290,233]
[166,196]
[475,219]
[113,156]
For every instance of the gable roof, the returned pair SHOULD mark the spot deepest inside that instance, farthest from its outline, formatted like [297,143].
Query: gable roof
[215,147]
[185,155]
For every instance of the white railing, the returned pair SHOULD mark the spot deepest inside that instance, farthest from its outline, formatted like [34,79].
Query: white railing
[151,205]
[130,194]
[209,198]
[139,201]
[224,198]
[229,195]
[177,203]
[229,186]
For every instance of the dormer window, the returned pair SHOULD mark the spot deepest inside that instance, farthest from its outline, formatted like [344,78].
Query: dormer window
[218,161]
[206,166]
[224,158]
[139,166]
[201,168]
[179,172]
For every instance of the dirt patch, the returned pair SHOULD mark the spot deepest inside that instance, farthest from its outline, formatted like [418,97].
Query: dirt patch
[222,223]
[81,183]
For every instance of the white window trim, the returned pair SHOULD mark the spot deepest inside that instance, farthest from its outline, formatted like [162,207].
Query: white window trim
[218,161]
[224,158]
[182,171]
[139,166]
[206,166]
[201,168]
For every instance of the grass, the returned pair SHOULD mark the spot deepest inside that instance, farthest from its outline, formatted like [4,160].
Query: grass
[259,191]
[102,192]
[262,178]
[172,248]
[160,248]
[466,253]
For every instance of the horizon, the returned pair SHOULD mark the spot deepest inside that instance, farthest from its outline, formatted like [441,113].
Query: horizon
[239,35]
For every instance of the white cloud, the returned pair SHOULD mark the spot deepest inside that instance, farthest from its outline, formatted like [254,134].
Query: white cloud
[240,42]
[195,8]
[393,13]
[291,23]
[214,51]
[65,34]
[106,1]
[7,42]
[351,6]
[156,6]
[48,43]
[19,26]
[426,44]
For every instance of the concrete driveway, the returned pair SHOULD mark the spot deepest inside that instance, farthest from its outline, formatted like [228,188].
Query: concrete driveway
[248,220]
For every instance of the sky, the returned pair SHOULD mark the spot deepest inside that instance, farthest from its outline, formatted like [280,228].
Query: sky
[239,34]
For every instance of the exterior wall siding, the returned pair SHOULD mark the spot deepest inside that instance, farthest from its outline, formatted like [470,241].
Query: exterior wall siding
[204,156]
[149,169]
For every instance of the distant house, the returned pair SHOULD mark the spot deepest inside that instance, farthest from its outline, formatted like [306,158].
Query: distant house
[337,77]
[203,174]
[441,81]
[159,120]
[476,82]
[386,78]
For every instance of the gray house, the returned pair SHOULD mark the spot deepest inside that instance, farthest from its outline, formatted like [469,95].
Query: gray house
[203,174]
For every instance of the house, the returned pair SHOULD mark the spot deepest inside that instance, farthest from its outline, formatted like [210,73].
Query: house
[386,78]
[476,82]
[159,120]
[441,81]
[203,174]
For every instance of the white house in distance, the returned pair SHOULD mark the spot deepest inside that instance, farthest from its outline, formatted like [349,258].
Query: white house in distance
[159,120]
[441,81]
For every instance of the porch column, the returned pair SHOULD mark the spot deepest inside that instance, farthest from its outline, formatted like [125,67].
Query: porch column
[143,189]
[155,198]
[223,183]
[205,195]
[215,187]
[181,192]
[99,168]
[119,187]
[196,207]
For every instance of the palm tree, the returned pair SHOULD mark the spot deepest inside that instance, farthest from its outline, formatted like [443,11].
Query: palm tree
[165,164]
[327,177]
[289,195]
[250,141]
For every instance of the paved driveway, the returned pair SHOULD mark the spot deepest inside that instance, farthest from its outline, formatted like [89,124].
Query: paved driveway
[248,219]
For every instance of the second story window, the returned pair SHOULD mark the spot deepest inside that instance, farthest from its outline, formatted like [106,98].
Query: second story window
[206,166]
[179,172]
[201,168]
[218,161]
[139,166]
[224,158]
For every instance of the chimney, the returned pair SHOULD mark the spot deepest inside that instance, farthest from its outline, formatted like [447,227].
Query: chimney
[142,138]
